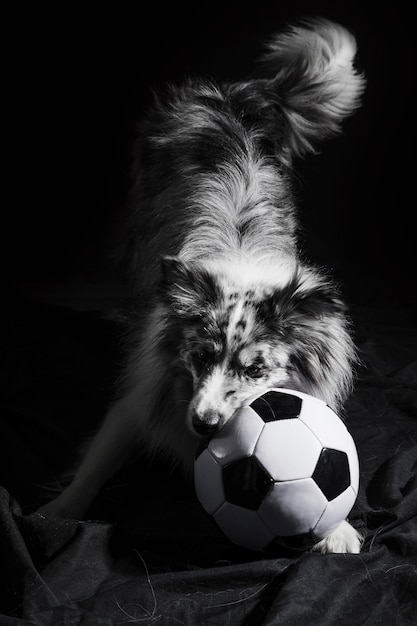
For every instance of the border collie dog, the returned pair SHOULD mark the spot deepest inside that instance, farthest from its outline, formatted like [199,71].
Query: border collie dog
[225,304]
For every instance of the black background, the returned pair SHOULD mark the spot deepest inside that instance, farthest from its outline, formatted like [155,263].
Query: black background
[76,81]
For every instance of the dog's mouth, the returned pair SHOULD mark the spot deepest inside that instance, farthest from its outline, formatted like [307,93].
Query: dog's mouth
[205,424]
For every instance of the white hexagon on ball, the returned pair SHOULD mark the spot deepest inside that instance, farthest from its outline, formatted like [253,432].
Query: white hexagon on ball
[332,516]
[293,508]
[237,439]
[288,449]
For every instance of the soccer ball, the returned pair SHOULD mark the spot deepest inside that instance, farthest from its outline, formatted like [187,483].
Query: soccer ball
[284,470]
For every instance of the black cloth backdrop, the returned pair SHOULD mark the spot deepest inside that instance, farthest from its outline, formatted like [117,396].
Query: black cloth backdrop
[147,552]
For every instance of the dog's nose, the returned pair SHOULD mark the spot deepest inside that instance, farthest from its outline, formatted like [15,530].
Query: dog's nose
[207,423]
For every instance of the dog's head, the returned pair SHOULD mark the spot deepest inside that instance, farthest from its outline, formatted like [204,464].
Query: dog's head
[239,337]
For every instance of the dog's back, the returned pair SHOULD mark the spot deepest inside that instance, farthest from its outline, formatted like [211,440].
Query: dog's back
[213,171]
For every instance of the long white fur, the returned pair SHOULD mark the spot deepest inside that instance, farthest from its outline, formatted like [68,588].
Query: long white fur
[326,67]
[215,231]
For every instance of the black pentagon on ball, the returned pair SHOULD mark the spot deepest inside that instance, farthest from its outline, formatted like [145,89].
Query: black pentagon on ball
[246,482]
[275,405]
[332,472]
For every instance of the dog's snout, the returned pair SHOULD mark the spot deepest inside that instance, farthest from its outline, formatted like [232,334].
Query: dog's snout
[207,423]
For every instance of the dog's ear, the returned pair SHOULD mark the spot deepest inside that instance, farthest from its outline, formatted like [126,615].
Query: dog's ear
[188,289]
[310,69]
[306,297]
[310,296]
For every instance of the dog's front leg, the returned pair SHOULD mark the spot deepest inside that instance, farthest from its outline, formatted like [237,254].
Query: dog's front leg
[108,450]
[127,420]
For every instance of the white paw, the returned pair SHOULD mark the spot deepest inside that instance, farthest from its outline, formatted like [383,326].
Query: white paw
[344,539]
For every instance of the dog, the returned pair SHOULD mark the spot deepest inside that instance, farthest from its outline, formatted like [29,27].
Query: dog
[225,304]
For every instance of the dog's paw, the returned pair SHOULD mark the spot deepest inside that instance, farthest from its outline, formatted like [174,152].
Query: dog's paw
[345,539]
[62,507]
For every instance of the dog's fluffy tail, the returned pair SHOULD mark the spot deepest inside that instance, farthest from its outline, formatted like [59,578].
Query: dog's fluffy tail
[310,69]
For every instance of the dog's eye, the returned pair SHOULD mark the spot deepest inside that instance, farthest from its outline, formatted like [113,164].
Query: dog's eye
[255,370]
[201,359]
